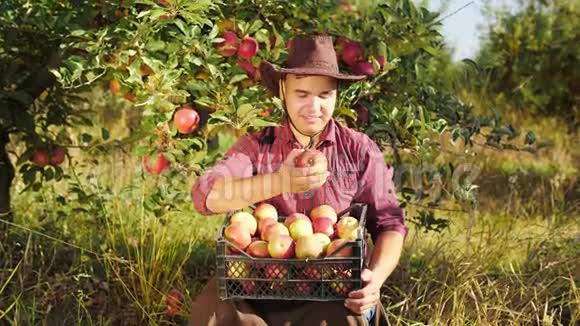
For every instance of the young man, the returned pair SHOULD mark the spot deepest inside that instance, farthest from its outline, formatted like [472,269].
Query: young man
[259,168]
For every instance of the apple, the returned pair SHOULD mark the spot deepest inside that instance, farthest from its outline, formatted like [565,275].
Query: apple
[238,234]
[308,247]
[312,272]
[174,300]
[263,225]
[57,157]
[323,225]
[324,240]
[248,48]
[335,244]
[304,288]
[364,68]
[161,164]
[300,228]
[342,289]
[130,97]
[258,249]
[281,246]
[311,157]
[229,46]
[238,269]
[274,230]
[323,211]
[248,286]
[381,60]
[276,271]
[40,158]
[114,86]
[186,119]
[341,42]
[245,219]
[352,53]
[362,115]
[293,217]
[248,68]
[347,228]
[163,2]
[266,210]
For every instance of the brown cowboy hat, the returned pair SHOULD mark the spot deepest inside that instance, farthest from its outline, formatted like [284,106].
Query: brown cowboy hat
[309,55]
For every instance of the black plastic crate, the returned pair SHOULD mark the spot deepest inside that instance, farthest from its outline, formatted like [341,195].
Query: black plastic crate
[241,276]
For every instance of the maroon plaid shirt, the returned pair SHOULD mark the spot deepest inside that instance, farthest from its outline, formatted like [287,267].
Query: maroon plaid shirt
[358,173]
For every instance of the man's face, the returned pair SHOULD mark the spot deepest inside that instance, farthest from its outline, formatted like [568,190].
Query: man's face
[310,101]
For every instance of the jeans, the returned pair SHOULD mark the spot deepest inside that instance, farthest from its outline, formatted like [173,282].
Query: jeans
[370,315]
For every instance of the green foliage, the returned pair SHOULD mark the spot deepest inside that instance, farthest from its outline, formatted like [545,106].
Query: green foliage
[531,59]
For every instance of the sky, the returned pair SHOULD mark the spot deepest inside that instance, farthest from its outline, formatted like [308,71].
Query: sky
[463,29]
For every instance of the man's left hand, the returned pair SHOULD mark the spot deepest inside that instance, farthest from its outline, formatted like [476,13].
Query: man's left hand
[362,300]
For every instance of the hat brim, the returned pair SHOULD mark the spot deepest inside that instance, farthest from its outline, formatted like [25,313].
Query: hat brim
[270,75]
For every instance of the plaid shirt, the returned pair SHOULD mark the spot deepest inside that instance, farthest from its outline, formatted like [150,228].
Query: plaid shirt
[358,173]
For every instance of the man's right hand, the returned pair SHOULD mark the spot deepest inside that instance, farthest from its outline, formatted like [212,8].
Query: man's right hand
[301,179]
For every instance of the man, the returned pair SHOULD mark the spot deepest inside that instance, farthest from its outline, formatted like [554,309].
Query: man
[259,168]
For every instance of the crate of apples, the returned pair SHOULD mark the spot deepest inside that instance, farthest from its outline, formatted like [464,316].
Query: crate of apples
[319,256]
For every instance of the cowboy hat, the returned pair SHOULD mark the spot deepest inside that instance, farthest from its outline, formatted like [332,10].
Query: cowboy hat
[309,55]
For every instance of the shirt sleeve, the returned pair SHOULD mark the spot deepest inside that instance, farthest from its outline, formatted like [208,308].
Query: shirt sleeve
[377,190]
[239,161]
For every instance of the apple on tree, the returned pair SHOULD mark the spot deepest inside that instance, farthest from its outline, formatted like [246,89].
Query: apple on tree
[248,48]
[186,119]
[40,158]
[57,156]
[156,168]
[229,46]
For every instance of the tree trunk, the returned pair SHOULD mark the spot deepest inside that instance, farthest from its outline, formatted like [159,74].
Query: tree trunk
[6,177]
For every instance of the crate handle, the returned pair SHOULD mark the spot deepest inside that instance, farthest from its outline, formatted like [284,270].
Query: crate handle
[238,248]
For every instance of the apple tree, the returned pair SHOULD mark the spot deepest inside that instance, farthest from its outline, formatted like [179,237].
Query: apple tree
[189,68]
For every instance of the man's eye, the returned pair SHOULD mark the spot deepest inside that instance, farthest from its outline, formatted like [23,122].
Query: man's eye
[301,95]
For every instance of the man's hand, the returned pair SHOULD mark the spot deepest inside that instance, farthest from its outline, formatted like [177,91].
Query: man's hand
[360,301]
[301,179]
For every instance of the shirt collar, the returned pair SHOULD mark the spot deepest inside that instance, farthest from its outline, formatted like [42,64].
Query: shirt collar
[328,135]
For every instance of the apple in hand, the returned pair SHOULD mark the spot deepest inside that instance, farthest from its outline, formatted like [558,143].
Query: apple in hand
[347,228]
[293,217]
[301,228]
[311,158]
[266,210]
[281,246]
[245,219]
[308,247]
[324,211]
[238,234]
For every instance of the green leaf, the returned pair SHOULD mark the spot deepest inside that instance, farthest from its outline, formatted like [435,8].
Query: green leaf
[104,133]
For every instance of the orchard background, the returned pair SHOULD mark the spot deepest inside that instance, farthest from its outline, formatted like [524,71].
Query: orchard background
[109,110]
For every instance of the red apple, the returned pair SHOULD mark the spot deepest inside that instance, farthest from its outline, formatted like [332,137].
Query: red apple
[312,272]
[324,211]
[130,97]
[293,217]
[300,228]
[362,115]
[323,225]
[266,210]
[311,158]
[163,2]
[303,288]
[161,164]
[246,219]
[381,60]
[334,245]
[40,158]
[308,247]
[364,68]
[263,225]
[238,234]
[281,246]
[341,42]
[347,228]
[115,86]
[229,46]
[352,53]
[248,68]
[248,48]
[57,157]
[258,249]
[186,119]
[274,230]
[276,272]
